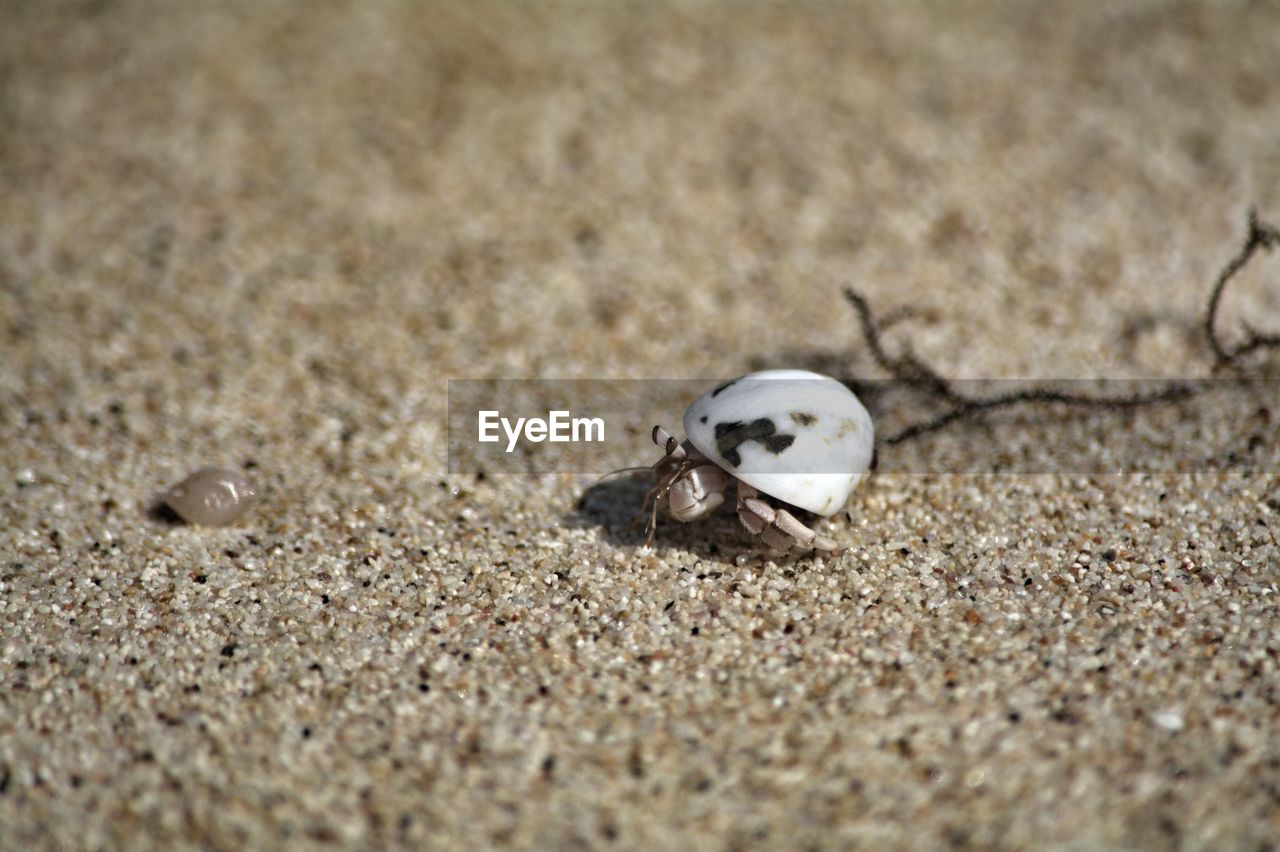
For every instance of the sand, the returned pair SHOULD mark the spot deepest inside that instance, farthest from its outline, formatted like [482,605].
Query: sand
[264,236]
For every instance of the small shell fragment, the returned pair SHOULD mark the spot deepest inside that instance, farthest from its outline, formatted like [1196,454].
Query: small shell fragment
[211,497]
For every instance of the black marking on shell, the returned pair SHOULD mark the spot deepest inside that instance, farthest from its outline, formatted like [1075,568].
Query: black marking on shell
[730,436]
[803,418]
[715,393]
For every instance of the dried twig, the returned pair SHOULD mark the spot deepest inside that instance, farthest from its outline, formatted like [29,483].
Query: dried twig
[907,368]
[1261,236]
[973,407]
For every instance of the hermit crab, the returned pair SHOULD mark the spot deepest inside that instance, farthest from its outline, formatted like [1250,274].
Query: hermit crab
[800,438]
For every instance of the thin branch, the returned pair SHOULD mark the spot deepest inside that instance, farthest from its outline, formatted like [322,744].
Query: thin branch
[1254,342]
[909,369]
[1261,236]
[906,367]
[974,407]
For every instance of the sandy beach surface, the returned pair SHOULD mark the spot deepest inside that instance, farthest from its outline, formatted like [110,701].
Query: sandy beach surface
[265,235]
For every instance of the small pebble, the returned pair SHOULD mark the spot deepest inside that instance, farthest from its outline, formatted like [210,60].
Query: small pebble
[1170,720]
[211,497]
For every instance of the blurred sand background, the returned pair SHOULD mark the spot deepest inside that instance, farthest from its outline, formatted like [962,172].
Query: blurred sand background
[264,235]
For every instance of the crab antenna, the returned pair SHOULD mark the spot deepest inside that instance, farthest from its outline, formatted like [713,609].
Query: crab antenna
[623,470]
[652,467]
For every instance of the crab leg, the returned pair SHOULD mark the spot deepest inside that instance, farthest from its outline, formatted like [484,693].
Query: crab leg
[778,528]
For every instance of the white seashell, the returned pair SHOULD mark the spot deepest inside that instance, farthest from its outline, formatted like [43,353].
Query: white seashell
[800,437]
